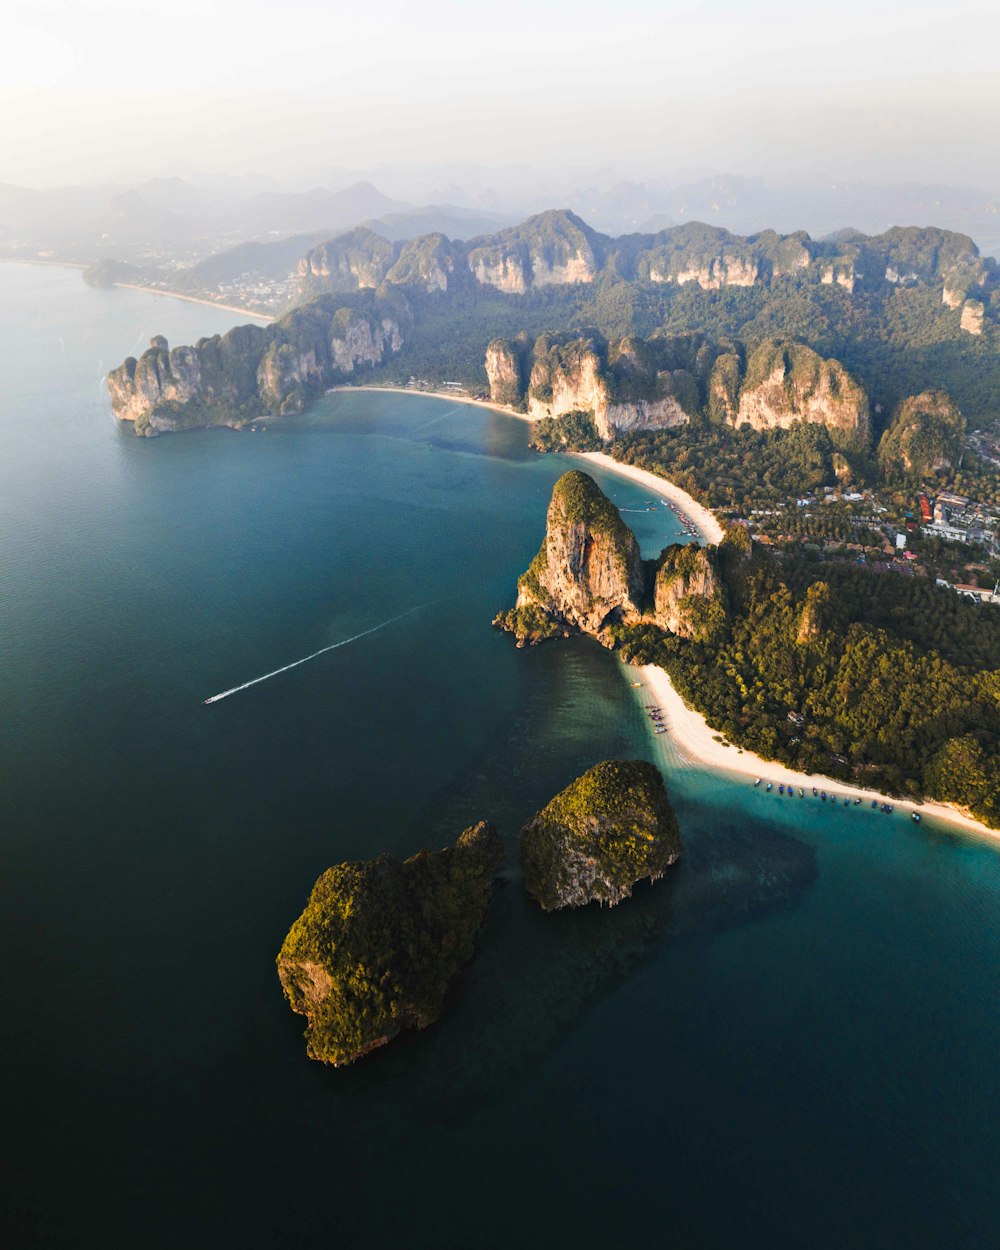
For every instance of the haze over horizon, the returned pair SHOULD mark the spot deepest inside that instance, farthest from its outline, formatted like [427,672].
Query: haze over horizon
[888,92]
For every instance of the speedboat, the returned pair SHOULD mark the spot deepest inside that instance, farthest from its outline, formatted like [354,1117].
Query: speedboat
[756,783]
[915,817]
[781,789]
[770,784]
[874,805]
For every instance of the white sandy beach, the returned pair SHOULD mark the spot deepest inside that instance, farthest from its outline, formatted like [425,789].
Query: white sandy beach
[455,399]
[696,740]
[194,299]
[703,520]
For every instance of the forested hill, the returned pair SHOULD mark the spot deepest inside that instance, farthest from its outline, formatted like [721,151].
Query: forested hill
[904,312]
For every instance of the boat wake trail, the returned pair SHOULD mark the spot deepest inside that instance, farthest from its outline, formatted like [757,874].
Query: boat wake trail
[216,698]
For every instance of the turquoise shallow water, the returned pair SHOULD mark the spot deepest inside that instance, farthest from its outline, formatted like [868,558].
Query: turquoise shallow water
[792,1041]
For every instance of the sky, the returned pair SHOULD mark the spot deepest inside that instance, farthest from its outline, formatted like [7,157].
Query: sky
[125,89]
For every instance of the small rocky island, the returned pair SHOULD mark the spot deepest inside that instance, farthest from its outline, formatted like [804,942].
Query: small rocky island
[381,940]
[608,830]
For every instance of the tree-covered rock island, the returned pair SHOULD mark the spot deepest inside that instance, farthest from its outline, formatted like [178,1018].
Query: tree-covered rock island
[380,942]
[608,830]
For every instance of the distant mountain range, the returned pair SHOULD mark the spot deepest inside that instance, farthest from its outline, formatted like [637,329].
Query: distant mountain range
[183,220]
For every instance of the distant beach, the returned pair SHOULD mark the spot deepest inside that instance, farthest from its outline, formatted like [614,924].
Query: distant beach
[195,299]
[456,398]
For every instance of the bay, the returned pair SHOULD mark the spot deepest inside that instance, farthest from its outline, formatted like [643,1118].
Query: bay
[791,1041]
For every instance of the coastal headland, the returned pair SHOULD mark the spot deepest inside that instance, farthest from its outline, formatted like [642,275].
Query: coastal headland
[690,733]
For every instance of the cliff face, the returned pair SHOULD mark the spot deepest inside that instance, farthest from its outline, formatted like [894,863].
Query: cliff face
[252,371]
[927,433]
[973,314]
[588,571]
[566,376]
[428,262]
[588,575]
[688,597]
[503,369]
[787,382]
[552,248]
[380,941]
[352,261]
[811,618]
[608,830]
[620,384]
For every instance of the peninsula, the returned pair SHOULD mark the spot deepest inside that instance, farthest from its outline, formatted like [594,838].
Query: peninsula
[765,658]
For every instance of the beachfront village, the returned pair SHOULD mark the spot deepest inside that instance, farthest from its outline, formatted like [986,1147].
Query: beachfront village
[950,537]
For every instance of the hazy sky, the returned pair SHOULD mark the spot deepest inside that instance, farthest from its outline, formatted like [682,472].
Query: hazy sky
[892,89]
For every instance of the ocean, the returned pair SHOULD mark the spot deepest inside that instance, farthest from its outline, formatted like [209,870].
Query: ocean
[790,1041]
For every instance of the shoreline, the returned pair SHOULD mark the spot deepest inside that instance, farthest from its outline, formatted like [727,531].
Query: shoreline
[695,739]
[704,521]
[412,390]
[190,299]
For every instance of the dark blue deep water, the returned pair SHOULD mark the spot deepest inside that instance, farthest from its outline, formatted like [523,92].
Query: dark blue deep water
[791,1042]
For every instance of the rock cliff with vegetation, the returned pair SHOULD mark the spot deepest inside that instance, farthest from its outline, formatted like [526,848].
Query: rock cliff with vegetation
[608,830]
[256,371]
[689,600]
[646,331]
[588,571]
[786,382]
[380,942]
[625,384]
[588,576]
[927,434]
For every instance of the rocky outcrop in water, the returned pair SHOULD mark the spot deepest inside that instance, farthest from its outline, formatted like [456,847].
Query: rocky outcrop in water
[380,942]
[608,830]
[588,575]
[255,371]
[588,571]
[927,433]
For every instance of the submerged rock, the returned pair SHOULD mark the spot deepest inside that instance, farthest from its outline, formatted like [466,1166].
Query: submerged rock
[381,940]
[609,829]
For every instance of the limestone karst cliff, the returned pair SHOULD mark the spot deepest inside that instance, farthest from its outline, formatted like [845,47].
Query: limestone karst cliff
[927,433]
[688,598]
[588,575]
[609,829]
[380,942]
[254,371]
[786,382]
[352,261]
[549,249]
[627,384]
[588,570]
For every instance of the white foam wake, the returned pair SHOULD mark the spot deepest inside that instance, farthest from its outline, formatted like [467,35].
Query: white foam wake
[215,698]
